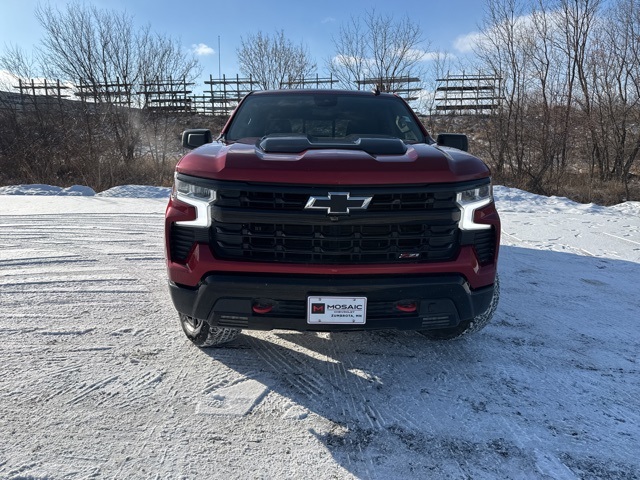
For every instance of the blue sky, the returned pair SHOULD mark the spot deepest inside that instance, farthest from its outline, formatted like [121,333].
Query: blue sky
[312,22]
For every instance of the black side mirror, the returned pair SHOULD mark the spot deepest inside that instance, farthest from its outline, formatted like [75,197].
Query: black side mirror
[196,137]
[454,140]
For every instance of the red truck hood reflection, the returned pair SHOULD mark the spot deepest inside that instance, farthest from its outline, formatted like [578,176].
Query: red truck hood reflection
[421,164]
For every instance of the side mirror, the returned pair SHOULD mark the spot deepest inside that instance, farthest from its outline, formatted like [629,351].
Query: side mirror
[196,137]
[454,140]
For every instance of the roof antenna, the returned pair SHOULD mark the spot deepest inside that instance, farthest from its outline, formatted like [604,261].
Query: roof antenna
[376,90]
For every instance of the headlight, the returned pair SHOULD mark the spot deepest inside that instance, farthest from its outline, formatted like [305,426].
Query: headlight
[471,200]
[196,192]
[475,195]
[198,197]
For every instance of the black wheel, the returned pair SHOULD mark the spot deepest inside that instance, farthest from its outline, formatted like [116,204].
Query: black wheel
[204,335]
[468,327]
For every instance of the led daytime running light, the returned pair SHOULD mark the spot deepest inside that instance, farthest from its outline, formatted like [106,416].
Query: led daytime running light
[471,200]
[198,197]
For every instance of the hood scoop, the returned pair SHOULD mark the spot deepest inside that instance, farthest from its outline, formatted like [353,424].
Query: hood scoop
[372,144]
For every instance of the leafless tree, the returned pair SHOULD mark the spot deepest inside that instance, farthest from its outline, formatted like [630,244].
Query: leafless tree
[105,51]
[99,46]
[550,102]
[502,51]
[440,66]
[274,62]
[377,47]
[613,72]
[100,139]
[571,83]
[17,64]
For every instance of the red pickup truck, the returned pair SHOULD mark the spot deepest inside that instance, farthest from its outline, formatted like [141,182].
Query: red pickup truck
[328,210]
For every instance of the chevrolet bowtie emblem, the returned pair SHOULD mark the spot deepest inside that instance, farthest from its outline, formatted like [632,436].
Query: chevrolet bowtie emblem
[338,203]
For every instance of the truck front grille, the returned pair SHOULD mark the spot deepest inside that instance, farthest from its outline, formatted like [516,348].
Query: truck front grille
[270,224]
[336,243]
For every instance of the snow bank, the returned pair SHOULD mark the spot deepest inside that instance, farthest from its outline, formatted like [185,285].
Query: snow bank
[513,199]
[123,191]
[39,189]
[136,191]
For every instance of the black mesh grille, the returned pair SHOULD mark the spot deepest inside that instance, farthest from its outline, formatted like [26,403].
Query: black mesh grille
[421,226]
[336,243]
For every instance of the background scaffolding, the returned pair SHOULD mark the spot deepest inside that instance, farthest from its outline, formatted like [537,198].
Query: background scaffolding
[468,93]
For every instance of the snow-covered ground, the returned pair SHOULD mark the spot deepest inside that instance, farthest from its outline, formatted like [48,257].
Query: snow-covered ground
[98,381]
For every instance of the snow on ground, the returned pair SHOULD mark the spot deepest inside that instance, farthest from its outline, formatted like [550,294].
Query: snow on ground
[126,191]
[97,379]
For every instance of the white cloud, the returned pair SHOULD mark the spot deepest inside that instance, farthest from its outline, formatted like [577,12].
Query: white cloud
[423,55]
[202,49]
[328,20]
[466,43]
[522,26]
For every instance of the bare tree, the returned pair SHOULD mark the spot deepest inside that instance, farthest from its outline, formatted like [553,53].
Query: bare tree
[503,51]
[98,140]
[550,100]
[17,64]
[570,71]
[352,58]
[379,47]
[613,74]
[274,62]
[101,46]
[105,51]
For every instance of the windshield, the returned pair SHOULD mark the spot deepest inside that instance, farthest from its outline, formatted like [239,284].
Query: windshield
[324,116]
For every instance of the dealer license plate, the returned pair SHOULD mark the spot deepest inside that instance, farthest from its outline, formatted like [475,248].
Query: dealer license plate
[337,310]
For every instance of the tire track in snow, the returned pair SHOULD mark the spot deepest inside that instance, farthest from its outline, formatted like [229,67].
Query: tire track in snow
[293,372]
[72,258]
[62,298]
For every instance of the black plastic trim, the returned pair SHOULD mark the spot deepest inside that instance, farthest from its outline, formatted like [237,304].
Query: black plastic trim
[372,144]
[310,217]
[227,299]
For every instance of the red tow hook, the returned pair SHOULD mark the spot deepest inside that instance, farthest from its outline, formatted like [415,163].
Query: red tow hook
[407,307]
[262,308]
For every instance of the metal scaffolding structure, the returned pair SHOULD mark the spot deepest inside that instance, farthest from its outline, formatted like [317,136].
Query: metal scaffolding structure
[468,93]
[42,92]
[223,94]
[406,87]
[167,96]
[219,98]
[117,92]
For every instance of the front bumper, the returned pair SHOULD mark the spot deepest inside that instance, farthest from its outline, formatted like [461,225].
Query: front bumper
[228,300]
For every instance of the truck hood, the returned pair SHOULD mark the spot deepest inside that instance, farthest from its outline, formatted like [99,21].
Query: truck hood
[420,164]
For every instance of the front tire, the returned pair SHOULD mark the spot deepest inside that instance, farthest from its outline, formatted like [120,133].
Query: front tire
[203,335]
[470,326]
